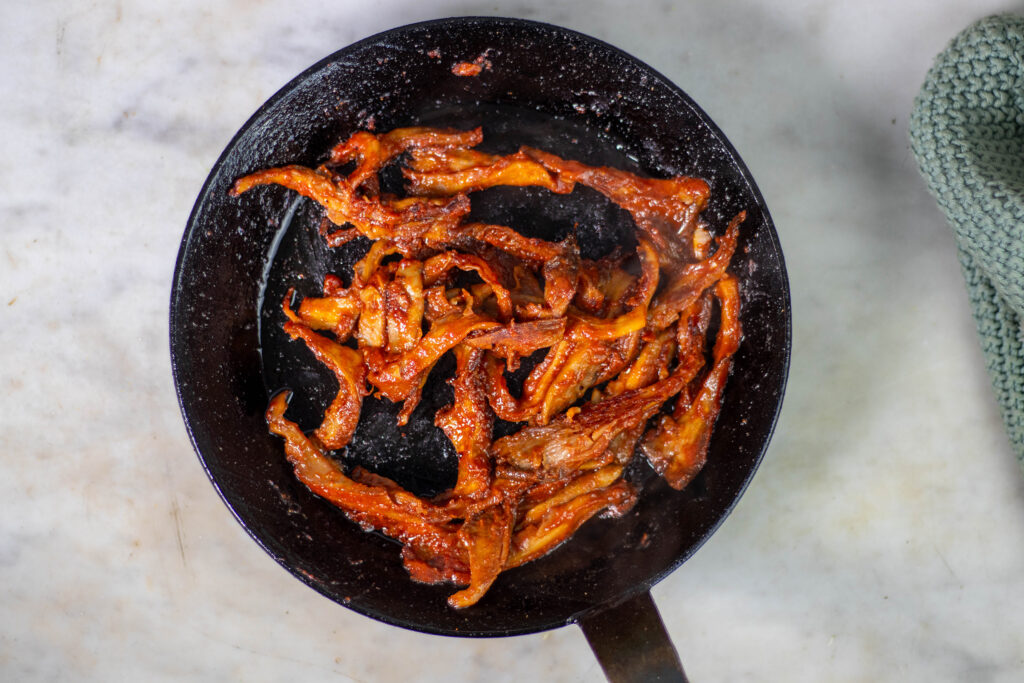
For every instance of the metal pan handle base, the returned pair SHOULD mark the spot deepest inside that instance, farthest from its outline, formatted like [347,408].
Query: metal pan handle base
[631,643]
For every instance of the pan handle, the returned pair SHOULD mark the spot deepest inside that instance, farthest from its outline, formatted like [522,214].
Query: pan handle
[631,643]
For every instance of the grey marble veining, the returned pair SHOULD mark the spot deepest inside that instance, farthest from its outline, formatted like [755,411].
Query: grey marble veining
[880,540]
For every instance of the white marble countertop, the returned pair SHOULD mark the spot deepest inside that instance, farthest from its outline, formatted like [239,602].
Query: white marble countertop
[880,540]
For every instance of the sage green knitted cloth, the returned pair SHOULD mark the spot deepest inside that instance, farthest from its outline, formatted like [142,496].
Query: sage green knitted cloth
[967,132]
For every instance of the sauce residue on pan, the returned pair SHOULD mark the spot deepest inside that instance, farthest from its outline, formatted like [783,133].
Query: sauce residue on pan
[473,68]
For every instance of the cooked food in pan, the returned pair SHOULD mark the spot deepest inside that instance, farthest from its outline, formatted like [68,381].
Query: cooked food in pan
[634,348]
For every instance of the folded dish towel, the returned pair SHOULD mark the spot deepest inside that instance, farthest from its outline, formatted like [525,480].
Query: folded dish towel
[967,132]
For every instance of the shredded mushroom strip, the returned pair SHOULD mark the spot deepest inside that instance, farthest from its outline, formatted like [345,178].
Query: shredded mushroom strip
[628,366]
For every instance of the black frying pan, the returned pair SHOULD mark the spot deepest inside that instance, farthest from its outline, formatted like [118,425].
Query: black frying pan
[542,86]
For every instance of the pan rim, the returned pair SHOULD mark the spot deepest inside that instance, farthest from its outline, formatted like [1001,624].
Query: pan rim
[177,340]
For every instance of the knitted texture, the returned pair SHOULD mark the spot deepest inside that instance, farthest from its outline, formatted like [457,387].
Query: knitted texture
[967,133]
